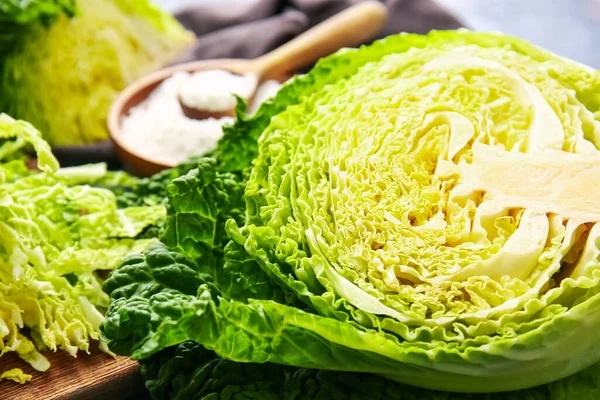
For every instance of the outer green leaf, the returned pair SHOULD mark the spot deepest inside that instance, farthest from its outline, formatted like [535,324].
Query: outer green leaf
[199,204]
[188,371]
[265,331]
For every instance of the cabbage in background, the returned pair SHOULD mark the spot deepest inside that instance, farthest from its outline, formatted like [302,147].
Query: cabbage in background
[63,62]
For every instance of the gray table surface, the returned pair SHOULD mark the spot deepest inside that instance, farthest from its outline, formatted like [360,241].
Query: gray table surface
[570,28]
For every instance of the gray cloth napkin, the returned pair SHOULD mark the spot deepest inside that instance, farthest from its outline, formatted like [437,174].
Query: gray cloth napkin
[248,30]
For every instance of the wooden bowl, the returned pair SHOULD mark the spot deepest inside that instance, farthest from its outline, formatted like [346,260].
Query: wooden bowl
[133,159]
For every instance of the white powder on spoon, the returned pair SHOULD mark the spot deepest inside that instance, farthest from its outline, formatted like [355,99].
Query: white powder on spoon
[214,90]
[158,129]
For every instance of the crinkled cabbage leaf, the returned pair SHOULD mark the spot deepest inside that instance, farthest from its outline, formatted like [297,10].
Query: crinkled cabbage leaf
[423,208]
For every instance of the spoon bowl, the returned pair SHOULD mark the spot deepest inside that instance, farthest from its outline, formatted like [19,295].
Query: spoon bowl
[249,81]
[195,113]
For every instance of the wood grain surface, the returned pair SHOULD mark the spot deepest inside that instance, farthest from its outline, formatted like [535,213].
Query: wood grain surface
[94,376]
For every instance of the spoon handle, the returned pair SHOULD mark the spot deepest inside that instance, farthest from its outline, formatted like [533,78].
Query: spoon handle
[350,27]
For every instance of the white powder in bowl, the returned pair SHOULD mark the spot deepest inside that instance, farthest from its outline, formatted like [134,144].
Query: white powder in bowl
[214,90]
[158,129]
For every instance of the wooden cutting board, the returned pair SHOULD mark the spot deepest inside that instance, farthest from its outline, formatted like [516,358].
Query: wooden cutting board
[94,376]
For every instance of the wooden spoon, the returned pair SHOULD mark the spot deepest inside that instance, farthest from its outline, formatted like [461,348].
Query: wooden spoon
[351,27]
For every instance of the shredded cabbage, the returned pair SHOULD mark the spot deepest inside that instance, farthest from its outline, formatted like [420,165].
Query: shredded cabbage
[58,234]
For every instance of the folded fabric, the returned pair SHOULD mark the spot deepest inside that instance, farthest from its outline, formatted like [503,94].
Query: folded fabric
[248,30]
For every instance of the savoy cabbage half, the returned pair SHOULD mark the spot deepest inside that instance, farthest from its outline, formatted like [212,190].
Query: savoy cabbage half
[424,209]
